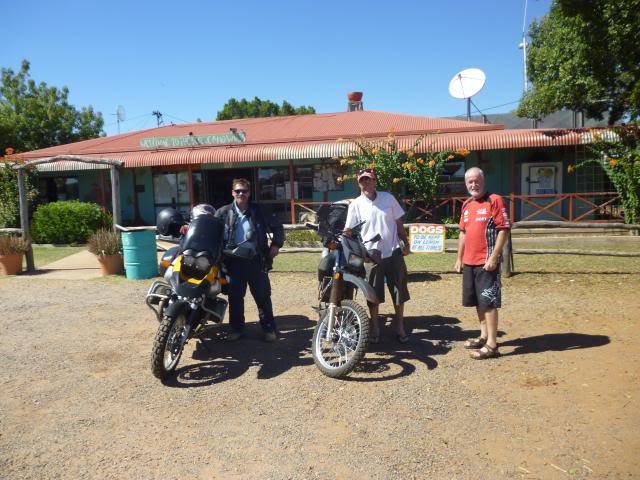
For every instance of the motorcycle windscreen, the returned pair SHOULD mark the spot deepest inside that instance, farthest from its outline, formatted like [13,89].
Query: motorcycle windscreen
[204,235]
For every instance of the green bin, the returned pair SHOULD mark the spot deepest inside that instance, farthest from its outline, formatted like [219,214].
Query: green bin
[140,257]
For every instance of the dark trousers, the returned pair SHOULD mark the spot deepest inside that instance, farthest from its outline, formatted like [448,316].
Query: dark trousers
[243,273]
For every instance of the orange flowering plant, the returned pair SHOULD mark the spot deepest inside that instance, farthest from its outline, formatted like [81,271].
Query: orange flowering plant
[400,170]
[618,152]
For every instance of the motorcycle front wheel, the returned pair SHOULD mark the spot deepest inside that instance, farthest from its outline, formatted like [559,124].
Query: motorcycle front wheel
[168,345]
[338,356]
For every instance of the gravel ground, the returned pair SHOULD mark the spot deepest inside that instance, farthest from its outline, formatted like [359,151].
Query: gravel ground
[78,399]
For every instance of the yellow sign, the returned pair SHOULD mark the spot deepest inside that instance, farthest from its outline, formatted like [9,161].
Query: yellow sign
[427,238]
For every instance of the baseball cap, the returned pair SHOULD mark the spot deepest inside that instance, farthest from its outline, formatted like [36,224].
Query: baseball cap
[367,172]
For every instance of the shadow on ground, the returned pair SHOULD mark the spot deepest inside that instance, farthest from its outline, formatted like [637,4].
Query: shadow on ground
[431,336]
[554,342]
[220,360]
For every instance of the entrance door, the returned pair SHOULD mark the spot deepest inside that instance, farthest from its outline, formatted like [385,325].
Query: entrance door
[542,178]
[218,185]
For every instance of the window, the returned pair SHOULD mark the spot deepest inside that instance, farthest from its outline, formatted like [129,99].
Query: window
[172,190]
[58,189]
[592,178]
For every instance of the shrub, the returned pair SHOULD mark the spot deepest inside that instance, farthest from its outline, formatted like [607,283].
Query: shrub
[67,222]
[302,236]
[452,220]
[104,242]
[9,200]
[10,245]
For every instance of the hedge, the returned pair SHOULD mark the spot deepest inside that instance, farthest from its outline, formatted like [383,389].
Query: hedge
[68,222]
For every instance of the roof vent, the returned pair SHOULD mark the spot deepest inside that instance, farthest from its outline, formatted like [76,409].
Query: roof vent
[354,101]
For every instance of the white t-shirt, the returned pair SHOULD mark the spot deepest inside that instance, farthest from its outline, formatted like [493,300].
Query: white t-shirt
[380,217]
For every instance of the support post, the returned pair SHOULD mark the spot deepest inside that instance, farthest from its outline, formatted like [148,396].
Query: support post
[292,193]
[24,220]
[507,255]
[115,197]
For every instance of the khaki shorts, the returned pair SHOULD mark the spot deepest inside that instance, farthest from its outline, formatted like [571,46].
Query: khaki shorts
[393,272]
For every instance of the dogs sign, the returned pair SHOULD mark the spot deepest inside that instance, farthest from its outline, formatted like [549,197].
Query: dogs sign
[426,238]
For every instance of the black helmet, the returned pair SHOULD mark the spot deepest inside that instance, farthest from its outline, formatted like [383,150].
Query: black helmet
[202,209]
[169,222]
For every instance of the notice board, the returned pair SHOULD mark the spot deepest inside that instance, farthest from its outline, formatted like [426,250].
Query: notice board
[427,238]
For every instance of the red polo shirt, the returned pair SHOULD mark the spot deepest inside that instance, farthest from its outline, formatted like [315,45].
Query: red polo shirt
[480,221]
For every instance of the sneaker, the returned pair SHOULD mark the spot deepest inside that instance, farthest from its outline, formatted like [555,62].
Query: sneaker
[234,336]
[270,337]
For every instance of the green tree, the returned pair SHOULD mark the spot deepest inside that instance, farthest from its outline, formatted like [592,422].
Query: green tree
[585,56]
[257,108]
[35,115]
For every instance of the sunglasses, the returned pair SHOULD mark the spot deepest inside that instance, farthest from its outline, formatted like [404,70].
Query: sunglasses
[365,170]
[240,190]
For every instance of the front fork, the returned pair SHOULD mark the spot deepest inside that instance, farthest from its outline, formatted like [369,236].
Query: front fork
[335,296]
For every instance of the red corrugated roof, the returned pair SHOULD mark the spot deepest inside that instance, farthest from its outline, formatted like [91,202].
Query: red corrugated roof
[304,137]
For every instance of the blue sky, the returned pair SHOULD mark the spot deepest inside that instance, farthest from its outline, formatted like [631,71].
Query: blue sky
[187,58]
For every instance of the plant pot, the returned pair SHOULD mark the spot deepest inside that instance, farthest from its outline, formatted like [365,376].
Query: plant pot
[11,264]
[110,264]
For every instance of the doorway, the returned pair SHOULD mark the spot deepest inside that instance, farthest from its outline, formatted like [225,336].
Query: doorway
[217,185]
[542,179]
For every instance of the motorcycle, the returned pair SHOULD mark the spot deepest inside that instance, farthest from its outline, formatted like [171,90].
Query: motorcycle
[341,337]
[187,300]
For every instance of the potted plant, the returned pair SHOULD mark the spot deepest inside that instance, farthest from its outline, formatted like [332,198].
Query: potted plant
[11,251]
[107,246]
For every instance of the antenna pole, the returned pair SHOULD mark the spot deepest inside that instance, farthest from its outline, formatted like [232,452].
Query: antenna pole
[468,109]
[158,115]
[524,48]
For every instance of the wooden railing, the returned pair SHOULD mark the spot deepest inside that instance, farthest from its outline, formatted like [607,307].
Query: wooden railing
[566,207]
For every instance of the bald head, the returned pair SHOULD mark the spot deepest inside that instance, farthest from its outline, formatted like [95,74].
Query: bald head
[474,181]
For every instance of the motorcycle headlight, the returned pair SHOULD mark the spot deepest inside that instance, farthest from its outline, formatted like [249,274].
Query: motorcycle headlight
[355,261]
[203,264]
[196,266]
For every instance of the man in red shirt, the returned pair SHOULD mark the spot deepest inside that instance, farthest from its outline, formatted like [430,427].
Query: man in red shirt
[484,226]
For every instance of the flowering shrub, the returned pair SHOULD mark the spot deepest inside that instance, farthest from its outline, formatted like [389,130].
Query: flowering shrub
[619,156]
[399,170]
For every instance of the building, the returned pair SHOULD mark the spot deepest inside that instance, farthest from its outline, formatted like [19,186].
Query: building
[182,165]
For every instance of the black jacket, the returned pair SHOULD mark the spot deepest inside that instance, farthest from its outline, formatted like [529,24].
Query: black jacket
[262,221]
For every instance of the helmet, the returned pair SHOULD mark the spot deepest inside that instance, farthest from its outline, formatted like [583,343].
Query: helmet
[169,222]
[202,209]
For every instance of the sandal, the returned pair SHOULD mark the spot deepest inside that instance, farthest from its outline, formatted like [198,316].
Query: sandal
[485,352]
[475,343]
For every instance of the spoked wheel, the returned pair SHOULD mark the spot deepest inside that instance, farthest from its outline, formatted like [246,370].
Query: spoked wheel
[168,345]
[339,355]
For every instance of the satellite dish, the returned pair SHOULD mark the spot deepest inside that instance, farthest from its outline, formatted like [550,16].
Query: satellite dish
[466,84]
[120,113]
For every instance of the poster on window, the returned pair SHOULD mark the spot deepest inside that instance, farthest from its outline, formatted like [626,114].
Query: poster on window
[427,238]
[324,178]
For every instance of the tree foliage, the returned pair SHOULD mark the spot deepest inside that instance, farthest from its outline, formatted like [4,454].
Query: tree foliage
[585,56]
[257,108]
[35,115]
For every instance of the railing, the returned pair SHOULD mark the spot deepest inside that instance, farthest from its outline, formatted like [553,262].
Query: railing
[566,207]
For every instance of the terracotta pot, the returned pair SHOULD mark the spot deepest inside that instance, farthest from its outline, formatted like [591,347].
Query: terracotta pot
[11,264]
[110,264]
[354,96]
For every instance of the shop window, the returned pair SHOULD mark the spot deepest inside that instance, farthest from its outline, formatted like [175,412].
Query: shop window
[591,177]
[58,189]
[171,190]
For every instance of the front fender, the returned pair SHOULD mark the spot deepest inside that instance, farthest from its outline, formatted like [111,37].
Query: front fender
[362,285]
[176,308]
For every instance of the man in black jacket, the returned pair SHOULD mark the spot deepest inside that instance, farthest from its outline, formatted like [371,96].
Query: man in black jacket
[247,225]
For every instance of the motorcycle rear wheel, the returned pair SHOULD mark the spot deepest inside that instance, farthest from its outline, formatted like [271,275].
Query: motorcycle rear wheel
[339,357]
[168,345]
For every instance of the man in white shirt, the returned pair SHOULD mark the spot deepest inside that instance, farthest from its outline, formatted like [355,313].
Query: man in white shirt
[382,215]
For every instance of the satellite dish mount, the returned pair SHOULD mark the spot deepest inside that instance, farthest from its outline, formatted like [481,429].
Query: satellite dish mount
[466,84]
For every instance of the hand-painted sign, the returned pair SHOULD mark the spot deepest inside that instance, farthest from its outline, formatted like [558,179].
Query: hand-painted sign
[426,238]
[193,140]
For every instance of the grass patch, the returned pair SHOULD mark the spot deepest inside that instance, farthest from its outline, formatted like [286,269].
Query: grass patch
[443,263]
[301,236]
[45,255]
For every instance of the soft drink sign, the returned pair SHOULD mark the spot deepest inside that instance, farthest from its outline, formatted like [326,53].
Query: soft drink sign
[426,238]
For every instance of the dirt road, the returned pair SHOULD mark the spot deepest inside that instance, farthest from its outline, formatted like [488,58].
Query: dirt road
[78,400]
